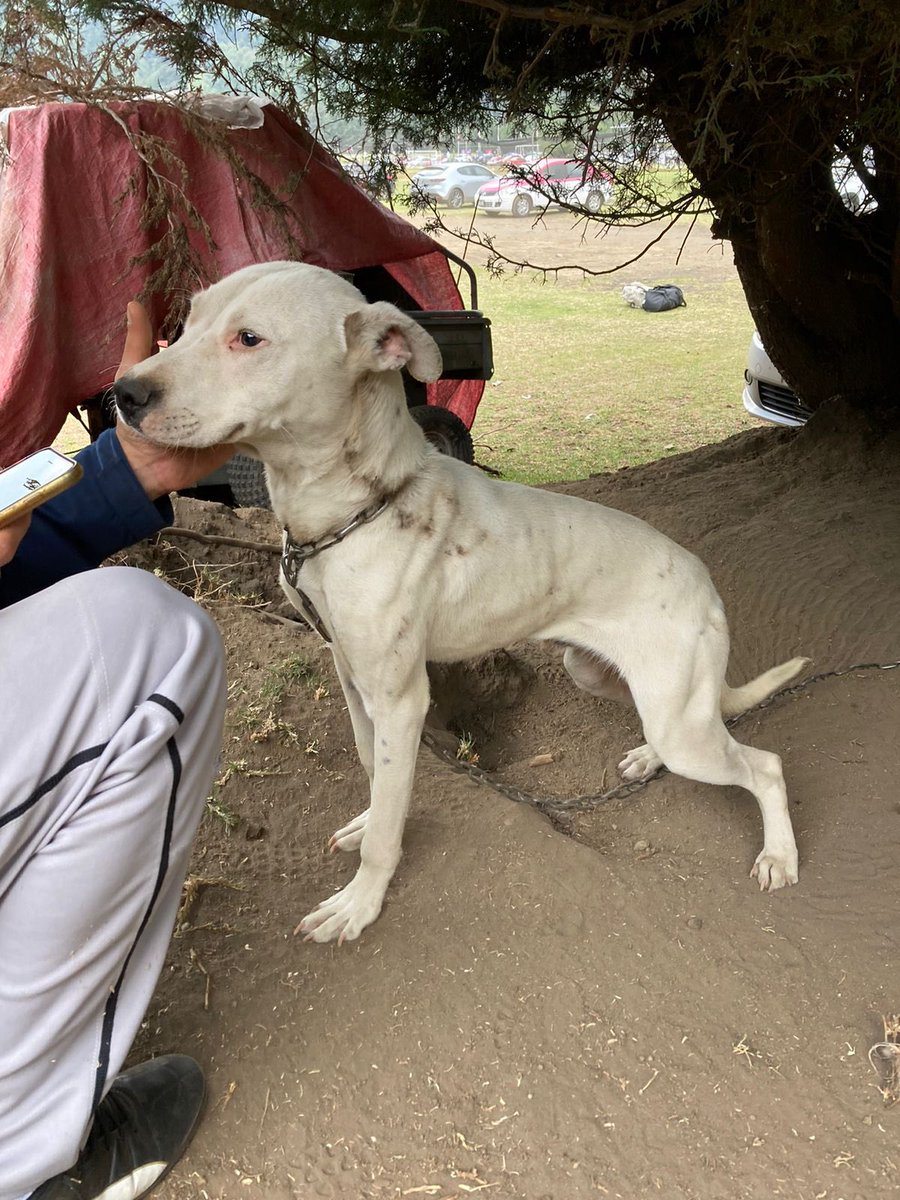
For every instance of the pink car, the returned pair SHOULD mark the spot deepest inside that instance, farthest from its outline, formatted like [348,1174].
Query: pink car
[549,183]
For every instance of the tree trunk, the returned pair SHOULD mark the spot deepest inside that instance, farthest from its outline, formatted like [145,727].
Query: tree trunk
[821,305]
[822,283]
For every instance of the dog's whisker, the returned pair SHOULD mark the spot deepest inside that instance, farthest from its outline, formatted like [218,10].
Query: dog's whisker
[287,433]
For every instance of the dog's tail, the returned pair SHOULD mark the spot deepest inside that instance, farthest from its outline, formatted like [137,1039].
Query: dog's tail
[738,700]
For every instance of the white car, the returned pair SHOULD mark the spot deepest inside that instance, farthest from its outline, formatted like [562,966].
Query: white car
[766,395]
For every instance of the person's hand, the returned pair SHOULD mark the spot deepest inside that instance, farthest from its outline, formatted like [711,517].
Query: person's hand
[159,469]
[10,536]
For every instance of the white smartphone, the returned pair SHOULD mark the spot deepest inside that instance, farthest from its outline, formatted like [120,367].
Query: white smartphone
[34,479]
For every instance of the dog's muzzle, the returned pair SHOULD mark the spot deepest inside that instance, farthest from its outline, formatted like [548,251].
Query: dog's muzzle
[134,398]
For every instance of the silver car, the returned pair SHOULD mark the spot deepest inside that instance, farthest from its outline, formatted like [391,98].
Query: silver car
[453,183]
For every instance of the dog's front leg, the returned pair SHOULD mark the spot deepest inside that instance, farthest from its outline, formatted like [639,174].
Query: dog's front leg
[399,705]
[350,836]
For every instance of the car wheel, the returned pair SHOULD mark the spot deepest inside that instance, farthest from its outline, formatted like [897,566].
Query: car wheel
[522,206]
[456,198]
[594,202]
[445,431]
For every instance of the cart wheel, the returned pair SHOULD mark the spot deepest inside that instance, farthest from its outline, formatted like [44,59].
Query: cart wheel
[445,431]
[247,478]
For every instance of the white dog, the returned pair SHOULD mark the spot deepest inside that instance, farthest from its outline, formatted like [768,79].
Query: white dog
[400,555]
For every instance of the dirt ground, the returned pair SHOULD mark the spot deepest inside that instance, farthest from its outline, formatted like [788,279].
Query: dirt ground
[598,1005]
[559,244]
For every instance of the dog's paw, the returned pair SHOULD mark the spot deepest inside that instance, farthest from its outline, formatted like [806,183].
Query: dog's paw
[773,871]
[343,916]
[640,764]
[351,836]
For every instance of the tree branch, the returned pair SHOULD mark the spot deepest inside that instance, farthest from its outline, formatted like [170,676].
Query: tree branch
[584,17]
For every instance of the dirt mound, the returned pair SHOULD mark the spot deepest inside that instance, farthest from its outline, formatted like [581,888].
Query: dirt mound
[617,1012]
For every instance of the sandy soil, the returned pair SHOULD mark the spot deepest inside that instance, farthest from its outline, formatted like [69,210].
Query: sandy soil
[598,1005]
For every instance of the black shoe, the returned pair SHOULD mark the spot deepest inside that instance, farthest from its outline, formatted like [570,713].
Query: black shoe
[141,1129]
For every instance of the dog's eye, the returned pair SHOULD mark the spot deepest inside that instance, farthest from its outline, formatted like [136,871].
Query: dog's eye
[246,339]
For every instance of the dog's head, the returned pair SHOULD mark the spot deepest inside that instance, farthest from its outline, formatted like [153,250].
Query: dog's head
[274,352]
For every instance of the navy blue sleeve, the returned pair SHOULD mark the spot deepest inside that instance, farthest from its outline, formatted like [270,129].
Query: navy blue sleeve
[103,513]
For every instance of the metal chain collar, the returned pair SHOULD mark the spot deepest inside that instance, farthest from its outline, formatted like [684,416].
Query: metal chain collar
[295,554]
[554,805]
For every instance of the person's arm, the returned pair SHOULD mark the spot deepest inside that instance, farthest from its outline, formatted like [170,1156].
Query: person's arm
[122,498]
[104,512]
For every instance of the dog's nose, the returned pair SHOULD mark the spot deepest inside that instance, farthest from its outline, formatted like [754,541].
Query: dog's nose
[134,397]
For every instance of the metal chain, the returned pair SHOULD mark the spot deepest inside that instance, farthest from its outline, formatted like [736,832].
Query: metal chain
[554,805]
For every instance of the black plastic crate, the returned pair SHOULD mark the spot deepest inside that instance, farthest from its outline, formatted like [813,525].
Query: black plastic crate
[464,339]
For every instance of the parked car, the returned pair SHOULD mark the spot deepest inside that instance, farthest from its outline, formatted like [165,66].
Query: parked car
[766,395]
[543,186]
[453,183]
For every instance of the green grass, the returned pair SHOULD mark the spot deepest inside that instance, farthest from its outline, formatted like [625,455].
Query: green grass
[286,676]
[584,384]
[73,436]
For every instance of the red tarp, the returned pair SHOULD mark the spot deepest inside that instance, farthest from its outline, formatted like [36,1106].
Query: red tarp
[70,202]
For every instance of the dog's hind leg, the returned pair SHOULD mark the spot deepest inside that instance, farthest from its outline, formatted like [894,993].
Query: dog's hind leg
[596,675]
[350,837]
[680,707]
[640,763]
[643,761]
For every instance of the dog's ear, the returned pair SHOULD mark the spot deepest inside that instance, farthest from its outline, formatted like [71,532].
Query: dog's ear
[383,338]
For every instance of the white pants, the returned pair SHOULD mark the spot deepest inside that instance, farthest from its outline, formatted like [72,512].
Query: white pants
[112,696]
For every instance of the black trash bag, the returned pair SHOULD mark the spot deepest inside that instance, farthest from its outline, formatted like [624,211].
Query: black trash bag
[663,297]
